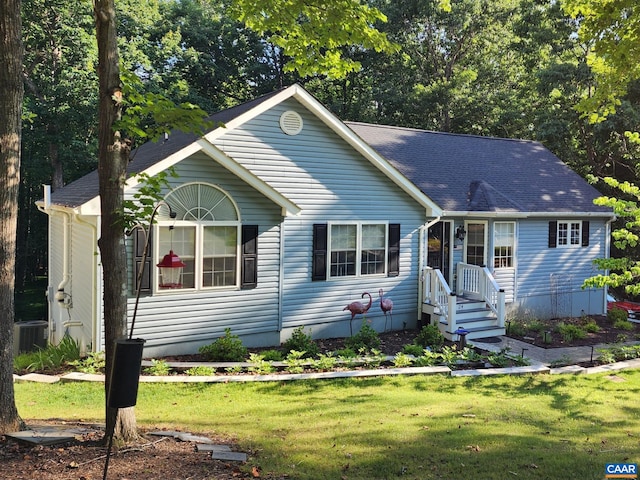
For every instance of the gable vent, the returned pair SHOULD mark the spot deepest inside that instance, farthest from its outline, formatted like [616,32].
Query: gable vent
[291,122]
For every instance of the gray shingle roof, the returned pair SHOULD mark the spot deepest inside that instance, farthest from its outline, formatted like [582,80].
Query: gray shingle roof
[471,173]
[85,188]
[458,172]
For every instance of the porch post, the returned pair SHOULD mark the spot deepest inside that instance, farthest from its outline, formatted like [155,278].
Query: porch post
[501,307]
[452,312]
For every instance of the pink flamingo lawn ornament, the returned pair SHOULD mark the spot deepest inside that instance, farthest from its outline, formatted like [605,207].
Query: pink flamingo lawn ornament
[358,307]
[386,305]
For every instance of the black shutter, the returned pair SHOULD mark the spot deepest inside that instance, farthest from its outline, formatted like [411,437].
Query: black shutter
[553,234]
[319,260]
[393,260]
[249,273]
[585,233]
[139,238]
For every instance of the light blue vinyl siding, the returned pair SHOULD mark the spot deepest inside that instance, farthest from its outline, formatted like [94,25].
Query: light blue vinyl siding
[324,176]
[330,182]
[546,276]
[183,321]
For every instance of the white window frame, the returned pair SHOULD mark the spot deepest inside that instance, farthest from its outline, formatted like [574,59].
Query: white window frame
[497,245]
[161,250]
[198,205]
[485,237]
[570,241]
[359,249]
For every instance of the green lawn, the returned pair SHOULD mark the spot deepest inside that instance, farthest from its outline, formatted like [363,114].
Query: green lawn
[421,427]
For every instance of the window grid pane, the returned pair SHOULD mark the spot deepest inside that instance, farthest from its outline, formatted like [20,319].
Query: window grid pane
[219,256]
[504,241]
[575,234]
[372,262]
[182,241]
[569,234]
[343,264]
[357,249]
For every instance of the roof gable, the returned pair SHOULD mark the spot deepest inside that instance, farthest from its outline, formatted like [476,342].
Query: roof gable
[153,157]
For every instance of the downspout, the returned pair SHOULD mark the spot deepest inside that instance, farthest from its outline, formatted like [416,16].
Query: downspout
[421,262]
[61,297]
[281,275]
[60,294]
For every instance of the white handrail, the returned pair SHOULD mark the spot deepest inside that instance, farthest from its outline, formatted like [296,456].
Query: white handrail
[436,291]
[477,282]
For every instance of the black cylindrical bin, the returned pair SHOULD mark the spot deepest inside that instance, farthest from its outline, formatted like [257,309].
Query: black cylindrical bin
[125,373]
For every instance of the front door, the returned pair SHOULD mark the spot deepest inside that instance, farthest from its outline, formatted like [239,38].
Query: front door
[439,248]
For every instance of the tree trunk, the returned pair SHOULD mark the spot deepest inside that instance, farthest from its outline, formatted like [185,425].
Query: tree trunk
[113,156]
[11,95]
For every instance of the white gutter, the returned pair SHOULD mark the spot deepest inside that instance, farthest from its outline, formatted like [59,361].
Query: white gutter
[281,276]
[527,214]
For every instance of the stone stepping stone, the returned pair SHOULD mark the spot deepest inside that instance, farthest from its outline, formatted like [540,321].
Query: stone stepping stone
[43,437]
[229,456]
[202,447]
[182,436]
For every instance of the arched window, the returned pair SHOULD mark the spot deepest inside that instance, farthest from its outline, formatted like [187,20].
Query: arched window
[205,234]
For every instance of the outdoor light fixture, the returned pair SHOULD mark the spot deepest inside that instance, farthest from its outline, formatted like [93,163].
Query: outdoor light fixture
[461,233]
[171,271]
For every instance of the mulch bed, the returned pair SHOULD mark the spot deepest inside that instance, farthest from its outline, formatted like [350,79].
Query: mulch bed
[607,333]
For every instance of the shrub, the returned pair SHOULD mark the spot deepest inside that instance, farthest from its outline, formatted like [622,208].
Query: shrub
[413,349]
[364,341]
[51,357]
[623,325]
[591,326]
[345,353]
[402,360]
[295,361]
[325,363]
[517,329]
[570,332]
[92,363]
[430,337]
[158,368]
[259,365]
[616,314]
[200,371]
[225,349]
[301,342]
[273,355]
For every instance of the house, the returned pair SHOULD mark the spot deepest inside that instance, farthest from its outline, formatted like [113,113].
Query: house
[285,214]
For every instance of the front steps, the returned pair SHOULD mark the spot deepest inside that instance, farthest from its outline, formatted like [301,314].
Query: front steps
[472,315]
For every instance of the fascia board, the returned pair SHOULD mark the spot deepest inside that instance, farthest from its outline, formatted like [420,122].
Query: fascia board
[250,114]
[288,207]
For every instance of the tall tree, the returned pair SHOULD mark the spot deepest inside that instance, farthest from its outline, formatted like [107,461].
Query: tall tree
[612,29]
[113,156]
[11,96]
